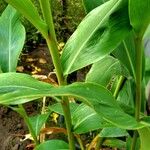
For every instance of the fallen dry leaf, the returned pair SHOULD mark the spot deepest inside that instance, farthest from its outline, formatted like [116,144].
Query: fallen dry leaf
[42,61]
[53,130]
[20,68]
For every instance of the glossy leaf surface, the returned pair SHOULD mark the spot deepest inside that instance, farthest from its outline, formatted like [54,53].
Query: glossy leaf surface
[53,145]
[28,10]
[12,37]
[20,88]
[98,34]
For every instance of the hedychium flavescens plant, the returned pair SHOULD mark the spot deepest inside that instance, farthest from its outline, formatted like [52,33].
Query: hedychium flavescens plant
[112,38]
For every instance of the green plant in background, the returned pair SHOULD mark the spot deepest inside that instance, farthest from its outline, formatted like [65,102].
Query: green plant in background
[110,38]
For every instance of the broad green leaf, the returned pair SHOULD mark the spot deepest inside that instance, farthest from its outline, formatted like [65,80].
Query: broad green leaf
[85,119]
[125,52]
[19,88]
[99,33]
[105,71]
[115,143]
[12,37]
[90,5]
[113,132]
[37,122]
[53,145]
[139,13]
[144,138]
[27,9]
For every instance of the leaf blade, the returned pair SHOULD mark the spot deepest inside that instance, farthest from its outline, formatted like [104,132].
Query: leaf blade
[84,48]
[19,88]
[12,38]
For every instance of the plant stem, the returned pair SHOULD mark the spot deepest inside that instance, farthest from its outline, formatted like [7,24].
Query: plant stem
[135,136]
[26,119]
[42,136]
[53,48]
[139,53]
[67,114]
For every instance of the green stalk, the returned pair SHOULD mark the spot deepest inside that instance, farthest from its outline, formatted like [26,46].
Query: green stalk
[26,119]
[51,39]
[139,53]
[52,45]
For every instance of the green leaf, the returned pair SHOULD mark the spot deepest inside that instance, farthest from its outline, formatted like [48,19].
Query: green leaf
[12,37]
[126,94]
[98,34]
[27,9]
[37,122]
[105,71]
[113,132]
[90,5]
[115,143]
[85,119]
[139,19]
[1,70]
[125,52]
[53,145]
[19,88]
[144,138]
